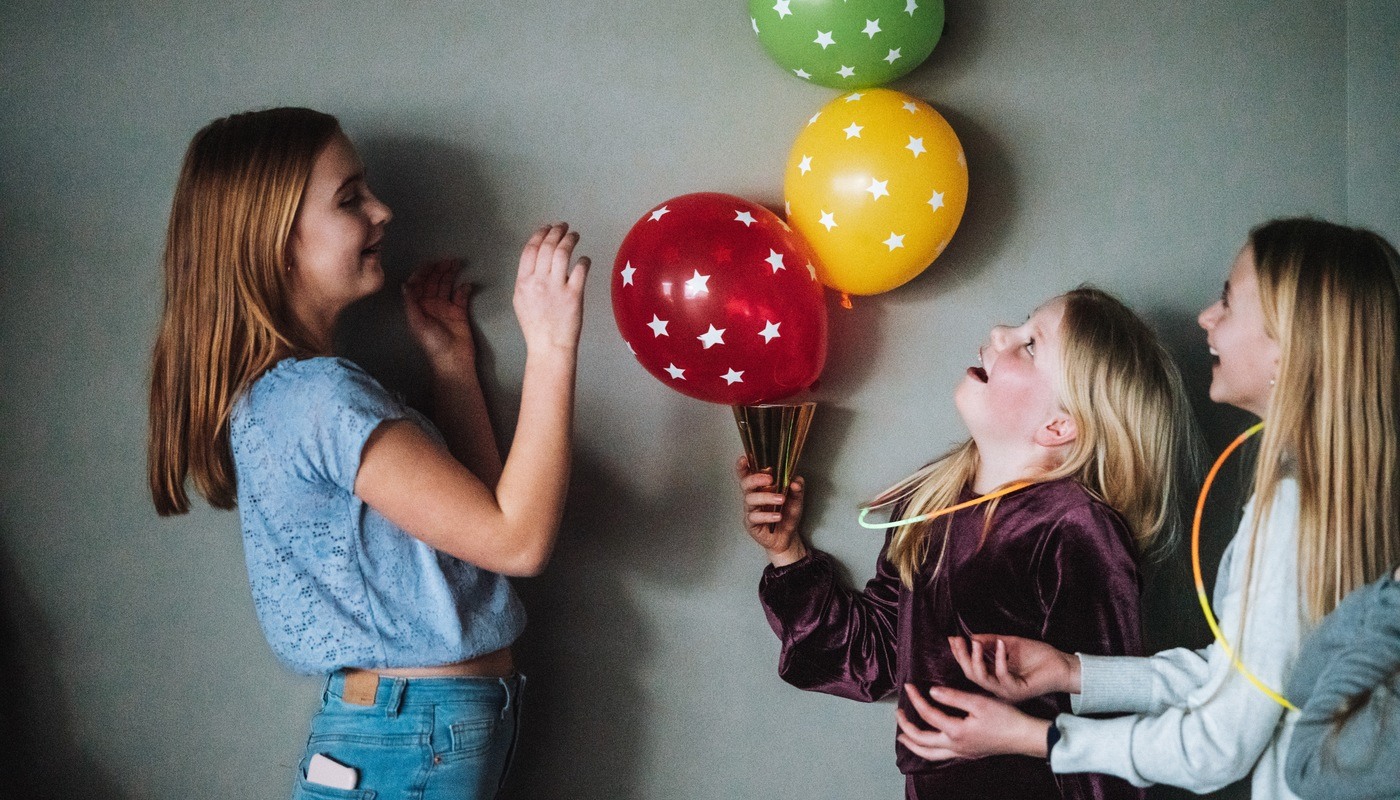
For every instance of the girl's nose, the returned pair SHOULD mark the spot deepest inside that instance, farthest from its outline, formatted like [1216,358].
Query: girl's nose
[998,336]
[379,213]
[1209,315]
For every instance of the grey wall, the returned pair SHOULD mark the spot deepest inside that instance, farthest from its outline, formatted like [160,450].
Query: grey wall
[1131,144]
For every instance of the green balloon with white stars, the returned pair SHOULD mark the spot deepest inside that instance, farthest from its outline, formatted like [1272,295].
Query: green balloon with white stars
[848,44]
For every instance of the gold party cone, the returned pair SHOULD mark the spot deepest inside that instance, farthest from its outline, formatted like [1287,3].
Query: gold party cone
[773,436]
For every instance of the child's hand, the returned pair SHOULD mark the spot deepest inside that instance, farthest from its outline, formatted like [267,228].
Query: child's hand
[548,292]
[1019,669]
[991,727]
[437,315]
[771,519]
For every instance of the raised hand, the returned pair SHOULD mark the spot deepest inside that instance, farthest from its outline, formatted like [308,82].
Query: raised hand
[548,291]
[1014,668]
[436,306]
[769,517]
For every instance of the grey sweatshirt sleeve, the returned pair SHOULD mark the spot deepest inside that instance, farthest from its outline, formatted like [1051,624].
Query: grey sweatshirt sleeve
[1199,724]
[1356,651]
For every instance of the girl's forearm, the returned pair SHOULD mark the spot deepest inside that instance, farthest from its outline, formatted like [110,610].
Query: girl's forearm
[461,414]
[535,479]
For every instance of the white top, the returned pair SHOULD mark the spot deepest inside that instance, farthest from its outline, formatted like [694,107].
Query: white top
[1193,720]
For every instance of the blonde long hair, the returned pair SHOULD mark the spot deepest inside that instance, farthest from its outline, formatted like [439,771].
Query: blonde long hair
[1332,302]
[226,319]
[1136,435]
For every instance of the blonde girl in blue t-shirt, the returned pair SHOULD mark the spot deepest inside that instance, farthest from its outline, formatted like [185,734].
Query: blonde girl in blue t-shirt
[377,542]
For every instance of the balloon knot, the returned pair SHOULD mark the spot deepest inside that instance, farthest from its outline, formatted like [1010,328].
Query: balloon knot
[846,301]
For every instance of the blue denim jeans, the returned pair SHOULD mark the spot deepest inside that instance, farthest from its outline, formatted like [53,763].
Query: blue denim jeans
[424,739]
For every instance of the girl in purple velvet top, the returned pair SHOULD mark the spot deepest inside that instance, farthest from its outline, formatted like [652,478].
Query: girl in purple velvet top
[1080,408]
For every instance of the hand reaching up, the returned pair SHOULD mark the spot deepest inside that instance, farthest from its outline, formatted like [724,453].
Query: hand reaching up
[549,291]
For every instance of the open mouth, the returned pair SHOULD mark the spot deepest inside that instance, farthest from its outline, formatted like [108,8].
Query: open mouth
[979,373]
[1214,357]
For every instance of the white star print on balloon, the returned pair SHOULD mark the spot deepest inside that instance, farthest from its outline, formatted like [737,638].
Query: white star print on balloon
[709,304]
[850,44]
[712,337]
[877,166]
[775,260]
[659,213]
[698,285]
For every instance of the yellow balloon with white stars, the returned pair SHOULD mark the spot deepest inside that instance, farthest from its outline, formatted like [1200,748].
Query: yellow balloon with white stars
[876,183]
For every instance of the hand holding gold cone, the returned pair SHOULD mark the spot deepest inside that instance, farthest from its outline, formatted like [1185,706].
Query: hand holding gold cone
[773,436]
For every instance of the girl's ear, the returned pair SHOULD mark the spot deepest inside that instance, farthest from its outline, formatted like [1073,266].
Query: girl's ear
[1060,430]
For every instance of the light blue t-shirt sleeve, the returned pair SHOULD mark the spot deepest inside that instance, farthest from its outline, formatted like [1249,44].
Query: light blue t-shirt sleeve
[328,407]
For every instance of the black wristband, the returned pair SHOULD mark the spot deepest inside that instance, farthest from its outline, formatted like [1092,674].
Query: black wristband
[1051,737]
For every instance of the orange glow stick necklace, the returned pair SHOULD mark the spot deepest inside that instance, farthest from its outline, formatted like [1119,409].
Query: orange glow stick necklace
[1201,584]
[876,526]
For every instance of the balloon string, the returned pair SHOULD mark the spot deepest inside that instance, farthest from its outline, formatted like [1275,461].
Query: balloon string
[1200,582]
[876,526]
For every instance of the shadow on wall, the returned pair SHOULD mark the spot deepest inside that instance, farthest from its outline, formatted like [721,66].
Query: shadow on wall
[40,757]
[441,209]
[582,723]
[1171,614]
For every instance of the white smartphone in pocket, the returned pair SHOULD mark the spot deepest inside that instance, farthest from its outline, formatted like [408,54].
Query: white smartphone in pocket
[326,771]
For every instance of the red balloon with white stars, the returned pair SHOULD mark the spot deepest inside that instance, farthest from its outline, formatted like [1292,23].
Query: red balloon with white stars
[719,300]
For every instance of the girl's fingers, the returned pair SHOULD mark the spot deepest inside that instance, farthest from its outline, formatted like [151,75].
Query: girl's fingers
[755,480]
[796,497]
[926,710]
[762,499]
[959,650]
[445,275]
[462,295]
[926,753]
[764,518]
[579,275]
[921,735]
[1003,668]
[562,255]
[531,251]
[955,698]
[411,309]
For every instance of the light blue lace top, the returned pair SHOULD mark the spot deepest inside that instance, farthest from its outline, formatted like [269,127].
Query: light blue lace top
[335,584]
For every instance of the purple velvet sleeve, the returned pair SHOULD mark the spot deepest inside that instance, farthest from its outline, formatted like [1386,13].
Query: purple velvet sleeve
[834,640]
